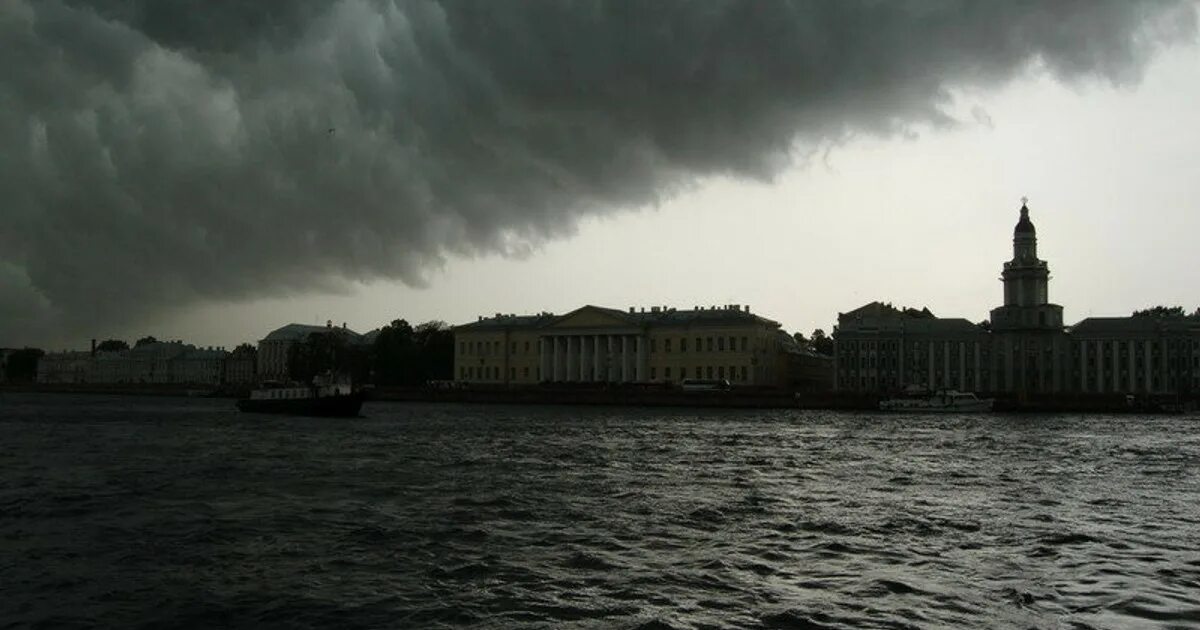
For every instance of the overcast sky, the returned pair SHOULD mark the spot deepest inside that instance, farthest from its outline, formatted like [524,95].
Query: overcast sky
[212,170]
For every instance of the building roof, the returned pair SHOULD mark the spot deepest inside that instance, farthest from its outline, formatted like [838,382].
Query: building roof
[501,321]
[661,316]
[1140,324]
[885,309]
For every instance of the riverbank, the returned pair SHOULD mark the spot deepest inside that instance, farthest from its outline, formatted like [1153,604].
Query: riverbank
[646,396]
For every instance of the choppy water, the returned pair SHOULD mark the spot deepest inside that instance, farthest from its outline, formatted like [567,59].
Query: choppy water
[125,512]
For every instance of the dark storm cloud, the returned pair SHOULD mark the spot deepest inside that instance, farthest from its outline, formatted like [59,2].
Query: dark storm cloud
[157,153]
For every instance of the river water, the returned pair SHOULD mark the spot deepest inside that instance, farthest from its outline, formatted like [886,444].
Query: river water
[144,512]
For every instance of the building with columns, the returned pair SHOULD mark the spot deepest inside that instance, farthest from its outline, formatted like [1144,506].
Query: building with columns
[594,344]
[1023,349]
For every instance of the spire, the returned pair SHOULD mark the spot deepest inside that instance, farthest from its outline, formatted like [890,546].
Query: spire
[1024,225]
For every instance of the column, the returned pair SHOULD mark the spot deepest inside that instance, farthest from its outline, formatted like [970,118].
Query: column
[597,360]
[1083,348]
[962,366]
[572,359]
[585,358]
[978,378]
[1146,376]
[642,358]
[1130,365]
[932,384]
[900,370]
[610,364]
[544,362]
[625,358]
[554,361]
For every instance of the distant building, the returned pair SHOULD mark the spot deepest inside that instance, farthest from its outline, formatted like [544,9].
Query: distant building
[273,349]
[597,344]
[64,367]
[1024,349]
[200,366]
[159,362]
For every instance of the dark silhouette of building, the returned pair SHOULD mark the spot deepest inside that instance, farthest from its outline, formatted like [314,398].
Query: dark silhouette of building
[1023,349]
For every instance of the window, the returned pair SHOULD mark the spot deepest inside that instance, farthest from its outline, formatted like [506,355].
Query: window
[710,344]
[683,344]
[745,345]
[720,371]
[525,371]
[667,344]
[699,372]
[462,347]
[667,373]
[709,369]
[526,349]
[652,345]
[733,344]
[720,344]
[745,373]
[652,373]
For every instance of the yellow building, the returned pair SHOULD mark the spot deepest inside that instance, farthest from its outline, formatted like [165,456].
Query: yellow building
[595,344]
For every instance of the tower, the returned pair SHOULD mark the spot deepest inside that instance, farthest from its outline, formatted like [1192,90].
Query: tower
[1026,281]
[1029,342]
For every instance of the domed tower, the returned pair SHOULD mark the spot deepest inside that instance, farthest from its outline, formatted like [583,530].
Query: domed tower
[1026,284]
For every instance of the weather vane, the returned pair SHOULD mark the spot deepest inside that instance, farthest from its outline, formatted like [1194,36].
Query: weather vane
[1024,201]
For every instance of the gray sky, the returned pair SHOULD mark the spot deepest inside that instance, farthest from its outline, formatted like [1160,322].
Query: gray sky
[210,179]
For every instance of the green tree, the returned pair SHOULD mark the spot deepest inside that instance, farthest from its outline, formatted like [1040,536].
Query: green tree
[145,340]
[327,351]
[435,351]
[822,344]
[112,345]
[1160,311]
[21,366]
[394,354]
[407,356]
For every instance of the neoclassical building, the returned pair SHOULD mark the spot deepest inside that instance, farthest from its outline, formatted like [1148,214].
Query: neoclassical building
[1023,349]
[605,345]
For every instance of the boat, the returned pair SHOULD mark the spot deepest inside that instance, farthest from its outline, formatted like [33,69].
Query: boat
[327,396]
[942,400]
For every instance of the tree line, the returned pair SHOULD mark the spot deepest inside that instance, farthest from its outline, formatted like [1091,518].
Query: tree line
[400,355]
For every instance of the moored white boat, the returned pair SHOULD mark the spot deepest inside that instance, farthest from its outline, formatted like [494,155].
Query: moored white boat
[943,400]
[327,396]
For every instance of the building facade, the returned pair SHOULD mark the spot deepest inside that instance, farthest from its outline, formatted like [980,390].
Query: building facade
[603,345]
[1023,348]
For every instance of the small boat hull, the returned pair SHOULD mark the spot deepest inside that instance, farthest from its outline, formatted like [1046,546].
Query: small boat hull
[346,406]
[979,405]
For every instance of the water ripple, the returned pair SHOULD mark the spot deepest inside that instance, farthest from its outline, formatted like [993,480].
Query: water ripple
[120,512]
